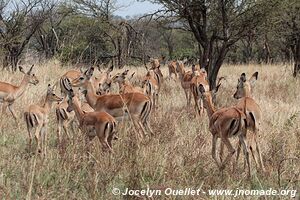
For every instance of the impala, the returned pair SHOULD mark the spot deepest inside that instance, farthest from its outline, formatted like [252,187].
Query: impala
[151,87]
[157,74]
[185,80]
[74,74]
[124,85]
[36,117]
[92,124]
[172,69]
[10,93]
[65,118]
[224,124]
[253,114]
[137,105]
[199,77]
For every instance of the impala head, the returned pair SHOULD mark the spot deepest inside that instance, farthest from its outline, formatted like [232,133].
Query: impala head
[244,87]
[120,77]
[104,88]
[206,96]
[81,81]
[32,79]
[71,94]
[51,95]
[179,66]
[209,96]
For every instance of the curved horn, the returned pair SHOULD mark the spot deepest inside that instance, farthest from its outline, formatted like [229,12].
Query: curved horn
[30,70]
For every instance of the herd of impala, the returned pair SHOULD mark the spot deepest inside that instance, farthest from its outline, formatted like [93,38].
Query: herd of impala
[87,99]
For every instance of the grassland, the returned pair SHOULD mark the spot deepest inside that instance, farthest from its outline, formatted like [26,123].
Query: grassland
[177,156]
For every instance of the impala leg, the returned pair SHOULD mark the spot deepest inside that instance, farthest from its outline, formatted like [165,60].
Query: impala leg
[214,150]
[237,155]
[231,151]
[221,151]
[59,125]
[37,137]
[189,97]
[65,127]
[141,125]
[44,139]
[246,152]
[253,149]
[156,101]
[259,157]
[29,130]
[186,96]
[148,127]
[4,107]
[12,111]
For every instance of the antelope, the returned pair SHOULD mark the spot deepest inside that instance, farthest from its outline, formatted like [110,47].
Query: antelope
[137,105]
[185,80]
[225,123]
[36,117]
[155,67]
[151,87]
[74,74]
[92,124]
[199,77]
[10,93]
[172,69]
[102,81]
[253,114]
[65,118]
[124,85]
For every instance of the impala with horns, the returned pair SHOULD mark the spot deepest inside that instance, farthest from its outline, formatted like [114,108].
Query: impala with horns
[74,74]
[137,106]
[10,93]
[253,114]
[36,117]
[225,123]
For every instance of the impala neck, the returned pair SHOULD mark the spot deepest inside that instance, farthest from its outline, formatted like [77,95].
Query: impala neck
[91,96]
[247,92]
[22,87]
[77,108]
[47,105]
[210,107]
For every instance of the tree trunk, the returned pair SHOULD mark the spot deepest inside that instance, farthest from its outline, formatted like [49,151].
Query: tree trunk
[297,58]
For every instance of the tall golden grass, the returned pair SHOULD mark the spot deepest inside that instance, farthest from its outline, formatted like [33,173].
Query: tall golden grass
[177,156]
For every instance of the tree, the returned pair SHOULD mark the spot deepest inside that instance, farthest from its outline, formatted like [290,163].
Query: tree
[217,25]
[20,20]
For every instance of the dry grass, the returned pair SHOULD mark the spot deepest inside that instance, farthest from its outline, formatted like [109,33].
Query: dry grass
[178,156]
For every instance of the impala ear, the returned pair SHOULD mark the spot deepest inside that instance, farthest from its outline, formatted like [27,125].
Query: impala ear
[201,89]
[110,69]
[30,70]
[131,75]
[21,69]
[49,89]
[89,72]
[253,79]
[67,84]
[82,70]
[243,77]
[219,84]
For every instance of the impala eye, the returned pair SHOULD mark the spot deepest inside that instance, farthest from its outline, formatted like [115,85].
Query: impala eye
[81,78]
